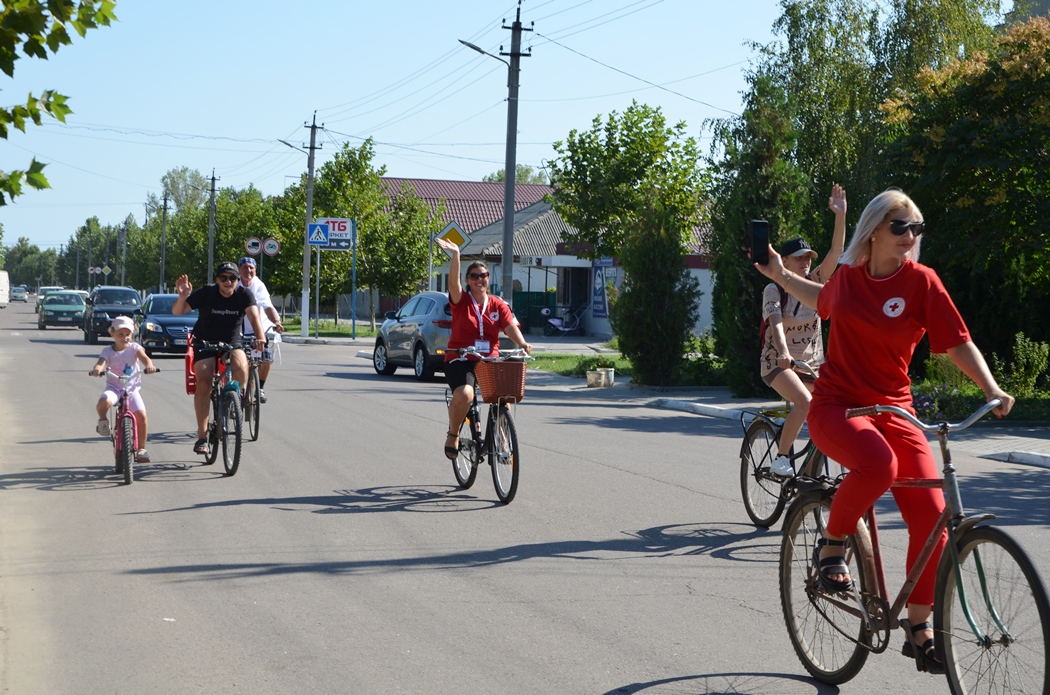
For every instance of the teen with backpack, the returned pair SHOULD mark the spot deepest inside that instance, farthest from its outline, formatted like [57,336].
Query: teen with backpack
[791,330]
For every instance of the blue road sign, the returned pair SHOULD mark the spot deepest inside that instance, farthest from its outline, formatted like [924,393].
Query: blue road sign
[317,234]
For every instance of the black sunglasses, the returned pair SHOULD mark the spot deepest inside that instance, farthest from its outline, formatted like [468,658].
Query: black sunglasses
[899,227]
[228,278]
[478,276]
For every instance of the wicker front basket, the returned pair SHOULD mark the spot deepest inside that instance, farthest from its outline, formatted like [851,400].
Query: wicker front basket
[501,381]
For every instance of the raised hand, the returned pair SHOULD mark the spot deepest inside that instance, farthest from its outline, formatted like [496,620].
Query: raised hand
[837,201]
[447,245]
[183,286]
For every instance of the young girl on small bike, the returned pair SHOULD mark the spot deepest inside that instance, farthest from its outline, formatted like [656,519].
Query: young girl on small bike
[120,358]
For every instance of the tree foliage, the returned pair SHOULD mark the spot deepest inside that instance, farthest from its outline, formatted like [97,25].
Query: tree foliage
[39,28]
[973,148]
[523,173]
[631,187]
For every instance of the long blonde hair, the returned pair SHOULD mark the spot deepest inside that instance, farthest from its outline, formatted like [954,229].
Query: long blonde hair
[859,249]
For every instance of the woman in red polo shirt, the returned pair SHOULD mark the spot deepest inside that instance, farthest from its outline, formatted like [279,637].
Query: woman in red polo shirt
[477,318]
[881,302]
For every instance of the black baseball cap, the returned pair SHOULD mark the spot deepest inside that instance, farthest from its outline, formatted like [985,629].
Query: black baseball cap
[797,247]
[226,267]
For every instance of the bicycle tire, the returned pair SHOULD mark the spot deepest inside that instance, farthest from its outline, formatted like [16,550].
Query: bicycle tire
[252,404]
[231,428]
[212,435]
[1017,662]
[828,640]
[126,432]
[762,492]
[465,465]
[504,457]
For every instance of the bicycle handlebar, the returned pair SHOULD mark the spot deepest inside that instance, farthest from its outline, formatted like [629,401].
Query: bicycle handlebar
[503,354]
[804,366]
[124,378]
[901,412]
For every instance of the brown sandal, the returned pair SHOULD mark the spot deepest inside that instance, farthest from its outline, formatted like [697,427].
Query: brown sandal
[451,452]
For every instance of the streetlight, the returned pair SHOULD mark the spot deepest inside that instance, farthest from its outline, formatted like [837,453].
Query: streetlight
[513,69]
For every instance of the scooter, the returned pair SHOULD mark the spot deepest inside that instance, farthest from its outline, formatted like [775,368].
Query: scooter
[568,324]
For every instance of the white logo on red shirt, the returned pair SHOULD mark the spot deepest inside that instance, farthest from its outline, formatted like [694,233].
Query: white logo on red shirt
[494,315]
[893,307]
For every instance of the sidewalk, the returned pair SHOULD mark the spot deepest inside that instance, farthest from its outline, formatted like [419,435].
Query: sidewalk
[1028,445]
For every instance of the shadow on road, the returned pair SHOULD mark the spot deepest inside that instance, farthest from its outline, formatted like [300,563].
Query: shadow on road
[713,683]
[734,541]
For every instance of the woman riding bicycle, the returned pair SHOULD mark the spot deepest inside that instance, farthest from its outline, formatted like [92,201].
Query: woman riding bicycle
[881,302]
[794,331]
[477,318]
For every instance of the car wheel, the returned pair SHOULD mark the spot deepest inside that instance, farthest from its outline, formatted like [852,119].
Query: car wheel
[381,360]
[40,325]
[421,362]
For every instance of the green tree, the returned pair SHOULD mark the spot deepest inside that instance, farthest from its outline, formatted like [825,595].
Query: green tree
[523,173]
[631,187]
[402,237]
[39,28]
[973,151]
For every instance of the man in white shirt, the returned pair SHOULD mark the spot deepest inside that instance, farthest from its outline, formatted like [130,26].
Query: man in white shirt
[268,316]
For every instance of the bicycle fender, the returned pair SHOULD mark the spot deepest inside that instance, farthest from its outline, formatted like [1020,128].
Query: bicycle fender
[970,522]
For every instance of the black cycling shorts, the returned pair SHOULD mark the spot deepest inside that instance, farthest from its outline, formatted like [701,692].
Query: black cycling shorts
[460,374]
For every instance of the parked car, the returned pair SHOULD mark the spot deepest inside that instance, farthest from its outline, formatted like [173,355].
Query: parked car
[159,329]
[105,304]
[416,336]
[62,308]
[42,292]
[19,294]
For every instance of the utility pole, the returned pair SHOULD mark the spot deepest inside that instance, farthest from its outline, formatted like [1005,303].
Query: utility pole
[507,283]
[91,274]
[105,261]
[164,241]
[211,230]
[76,284]
[305,306]
[123,253]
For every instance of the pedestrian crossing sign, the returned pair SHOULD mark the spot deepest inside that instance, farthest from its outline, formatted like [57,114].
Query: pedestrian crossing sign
[317,234]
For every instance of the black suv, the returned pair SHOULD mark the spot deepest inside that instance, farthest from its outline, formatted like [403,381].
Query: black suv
[105,304]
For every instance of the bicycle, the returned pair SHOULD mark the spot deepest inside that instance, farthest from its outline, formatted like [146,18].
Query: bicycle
[502,380]
[252,403]
[766,494]
[124,432]
[227,419]
[991,613]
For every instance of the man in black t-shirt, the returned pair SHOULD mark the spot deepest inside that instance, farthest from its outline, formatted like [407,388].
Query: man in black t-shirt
[221,308]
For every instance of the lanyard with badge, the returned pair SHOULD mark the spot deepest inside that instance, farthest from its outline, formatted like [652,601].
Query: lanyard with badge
[481,345]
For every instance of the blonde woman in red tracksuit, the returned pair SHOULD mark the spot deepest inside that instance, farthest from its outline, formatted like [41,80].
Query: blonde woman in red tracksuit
[881,302]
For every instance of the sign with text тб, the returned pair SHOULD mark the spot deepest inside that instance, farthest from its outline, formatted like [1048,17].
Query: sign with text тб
[317,234]
[340,233]
[454,233]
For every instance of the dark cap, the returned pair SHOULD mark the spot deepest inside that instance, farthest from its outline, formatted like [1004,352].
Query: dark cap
[247,260]
[797,247]
[226,267]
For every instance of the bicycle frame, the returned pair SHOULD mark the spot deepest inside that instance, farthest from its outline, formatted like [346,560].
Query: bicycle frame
[953,518]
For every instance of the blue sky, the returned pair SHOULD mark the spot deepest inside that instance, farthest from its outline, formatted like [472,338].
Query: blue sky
[215,84]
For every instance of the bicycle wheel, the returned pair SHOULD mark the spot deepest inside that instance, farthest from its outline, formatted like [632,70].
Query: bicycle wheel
[760,489]
[212,437]
[252,403]
[826,630]
[503,456]
[466,464]
[126,455]
[1012,655]
[230,431]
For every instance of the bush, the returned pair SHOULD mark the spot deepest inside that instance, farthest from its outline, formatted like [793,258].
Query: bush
[1030,361]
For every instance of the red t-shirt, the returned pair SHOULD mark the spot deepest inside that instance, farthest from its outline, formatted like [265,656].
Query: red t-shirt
[875,325]
[495,315]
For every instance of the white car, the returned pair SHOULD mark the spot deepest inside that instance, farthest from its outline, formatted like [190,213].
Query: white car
[18,294]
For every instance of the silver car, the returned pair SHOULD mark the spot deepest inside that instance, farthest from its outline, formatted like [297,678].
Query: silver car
[415,336]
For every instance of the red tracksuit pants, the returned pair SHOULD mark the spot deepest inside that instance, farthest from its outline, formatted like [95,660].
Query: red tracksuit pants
[877,451]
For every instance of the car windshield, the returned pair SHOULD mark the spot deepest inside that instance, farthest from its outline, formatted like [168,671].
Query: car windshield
[64,300]
[117,298]
[164,305]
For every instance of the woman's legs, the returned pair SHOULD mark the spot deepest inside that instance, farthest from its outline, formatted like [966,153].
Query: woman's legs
[788,384]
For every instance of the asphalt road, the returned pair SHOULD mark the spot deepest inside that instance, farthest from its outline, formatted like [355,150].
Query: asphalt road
[343,558]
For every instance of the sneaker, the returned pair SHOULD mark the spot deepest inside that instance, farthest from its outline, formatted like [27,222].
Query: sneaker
[262,396]
[141,456]
[103,428]
[782,466]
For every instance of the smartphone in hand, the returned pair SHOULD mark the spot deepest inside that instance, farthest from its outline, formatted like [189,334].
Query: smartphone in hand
[758,230]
